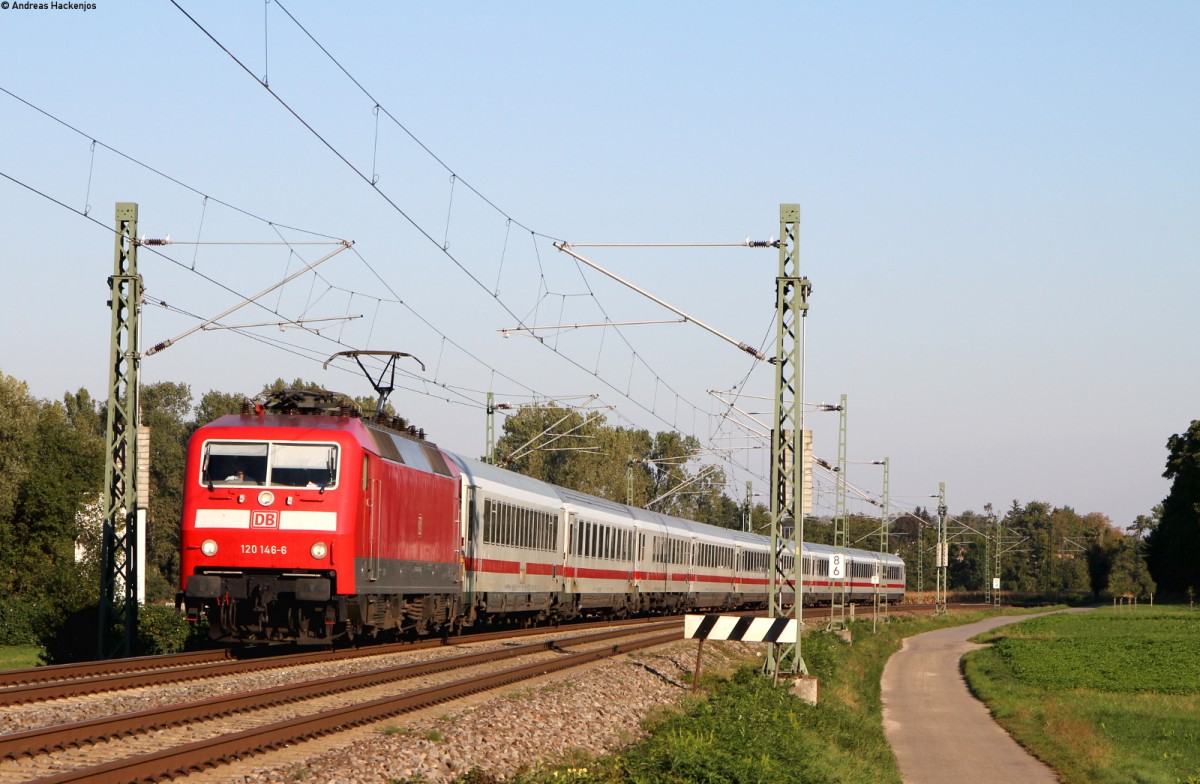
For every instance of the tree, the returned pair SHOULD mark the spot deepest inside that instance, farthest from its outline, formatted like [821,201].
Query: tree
[1128,575]
[166,410]
[51,462]
[581,452]
[213,405]
[1172,545]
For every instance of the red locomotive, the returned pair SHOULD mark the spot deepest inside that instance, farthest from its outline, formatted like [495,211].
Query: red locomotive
[304,522]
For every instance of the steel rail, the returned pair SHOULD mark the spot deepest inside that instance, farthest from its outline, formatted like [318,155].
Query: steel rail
[116,675]
[200,755]
[64,672]
[47,739]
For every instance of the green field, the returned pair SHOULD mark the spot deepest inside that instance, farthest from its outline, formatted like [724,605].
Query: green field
[14,657]
[1111,695]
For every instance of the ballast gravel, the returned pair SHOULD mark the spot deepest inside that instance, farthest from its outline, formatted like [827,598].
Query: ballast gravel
[559,719]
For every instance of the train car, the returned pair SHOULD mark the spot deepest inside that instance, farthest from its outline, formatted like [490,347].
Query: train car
[305,522]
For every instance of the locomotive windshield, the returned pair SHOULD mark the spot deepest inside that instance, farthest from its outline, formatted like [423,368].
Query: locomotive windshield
[271,463]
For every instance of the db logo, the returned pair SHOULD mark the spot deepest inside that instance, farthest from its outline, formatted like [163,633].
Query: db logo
[264,519]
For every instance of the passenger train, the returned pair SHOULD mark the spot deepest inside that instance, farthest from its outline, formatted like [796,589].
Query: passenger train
[305,522]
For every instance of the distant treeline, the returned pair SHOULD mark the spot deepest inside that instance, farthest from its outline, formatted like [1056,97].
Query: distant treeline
[51,481]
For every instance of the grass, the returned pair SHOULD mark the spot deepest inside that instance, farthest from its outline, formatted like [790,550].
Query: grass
[16,657]
[1112,695]
[741,729]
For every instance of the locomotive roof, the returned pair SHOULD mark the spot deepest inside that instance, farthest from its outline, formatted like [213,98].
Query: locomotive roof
[290,422]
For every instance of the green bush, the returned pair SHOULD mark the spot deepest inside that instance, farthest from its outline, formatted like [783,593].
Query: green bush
[162,629]
[72,639]
[20,617]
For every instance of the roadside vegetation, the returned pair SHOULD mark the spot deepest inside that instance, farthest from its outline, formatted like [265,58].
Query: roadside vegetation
[1111,695]
[741,728]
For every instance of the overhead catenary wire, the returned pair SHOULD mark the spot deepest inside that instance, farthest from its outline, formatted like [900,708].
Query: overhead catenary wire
[457,262]
[636,358]
[273,224]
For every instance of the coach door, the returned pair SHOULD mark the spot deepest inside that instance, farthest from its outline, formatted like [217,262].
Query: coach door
[691,555]
[571,553]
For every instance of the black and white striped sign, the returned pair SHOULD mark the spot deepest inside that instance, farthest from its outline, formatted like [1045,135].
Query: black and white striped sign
[746,628]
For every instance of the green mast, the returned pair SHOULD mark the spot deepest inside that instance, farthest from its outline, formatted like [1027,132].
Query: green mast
[118,564]
[787,480]
[943,554]
[838,566]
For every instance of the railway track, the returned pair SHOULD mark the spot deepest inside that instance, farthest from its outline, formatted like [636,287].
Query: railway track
[36,684]
[148,745]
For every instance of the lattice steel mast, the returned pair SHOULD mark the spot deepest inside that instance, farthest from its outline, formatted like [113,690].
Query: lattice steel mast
[838,565]
[943,553]
[884,530]
[118,554]
[787,481]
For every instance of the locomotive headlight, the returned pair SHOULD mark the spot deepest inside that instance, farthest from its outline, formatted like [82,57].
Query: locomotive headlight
[319,550]
[208,547]
[266,498]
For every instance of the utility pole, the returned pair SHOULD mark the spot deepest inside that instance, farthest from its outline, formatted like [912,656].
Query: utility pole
[749,506]
[943,553]
[920,555]
[787,482]
[838,567]
[118,554]
[881,595]
[489,446]
[999,550]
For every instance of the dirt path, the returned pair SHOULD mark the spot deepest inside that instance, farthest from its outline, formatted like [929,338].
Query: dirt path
[939,732]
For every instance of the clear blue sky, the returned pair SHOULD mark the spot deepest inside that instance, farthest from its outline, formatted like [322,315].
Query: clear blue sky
[1000,216]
